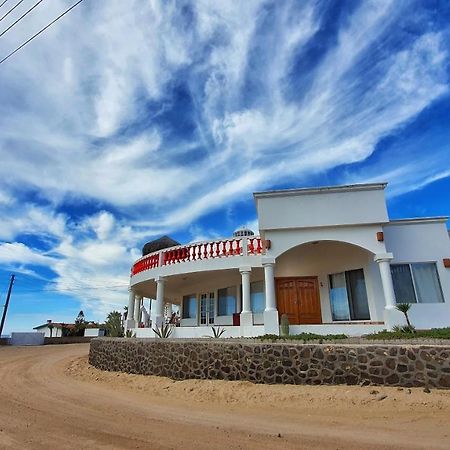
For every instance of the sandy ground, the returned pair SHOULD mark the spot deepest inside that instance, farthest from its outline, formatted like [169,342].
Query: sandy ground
[50,398]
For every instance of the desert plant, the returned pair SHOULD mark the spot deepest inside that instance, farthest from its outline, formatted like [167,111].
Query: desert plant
[130,334]
[164,332]
[284,325]
[217,332]
[404,308]
[403,329]
[114,324]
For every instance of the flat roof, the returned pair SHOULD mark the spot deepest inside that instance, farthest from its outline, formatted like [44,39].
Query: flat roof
[321,190]
[417,220]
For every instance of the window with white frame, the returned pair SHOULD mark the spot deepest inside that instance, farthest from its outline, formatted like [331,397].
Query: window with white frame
[189,306]
[348,296]
[226,301]
[257,297]
[416,283]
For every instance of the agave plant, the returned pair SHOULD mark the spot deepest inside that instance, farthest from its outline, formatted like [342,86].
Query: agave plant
[217,332]
[164,332]
[404,308]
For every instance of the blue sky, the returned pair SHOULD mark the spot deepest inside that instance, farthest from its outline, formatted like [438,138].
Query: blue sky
[129,120]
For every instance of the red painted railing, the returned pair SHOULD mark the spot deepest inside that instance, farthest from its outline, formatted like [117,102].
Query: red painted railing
[199,251]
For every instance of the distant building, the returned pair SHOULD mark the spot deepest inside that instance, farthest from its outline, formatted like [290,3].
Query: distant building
[53,329]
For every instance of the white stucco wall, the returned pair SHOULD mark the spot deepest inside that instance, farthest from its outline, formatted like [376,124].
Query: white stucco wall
[364,236]
[422,241]
[93,332]
[203,332]
[56,332]
[321,207]
[325,258]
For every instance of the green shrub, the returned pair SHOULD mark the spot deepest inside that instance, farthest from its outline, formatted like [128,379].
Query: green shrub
[400,333]
[302,337]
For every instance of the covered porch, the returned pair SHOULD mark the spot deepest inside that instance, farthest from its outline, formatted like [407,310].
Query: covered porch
[324,287]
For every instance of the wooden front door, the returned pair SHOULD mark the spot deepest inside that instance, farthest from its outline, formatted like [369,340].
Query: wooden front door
[299,298]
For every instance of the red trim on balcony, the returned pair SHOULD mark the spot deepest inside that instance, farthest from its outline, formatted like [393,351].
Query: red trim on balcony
[199,251]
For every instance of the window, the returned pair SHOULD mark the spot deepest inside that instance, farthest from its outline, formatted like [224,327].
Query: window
[227,301]
[190,306]
[257,297]
[348,296]
[416,283]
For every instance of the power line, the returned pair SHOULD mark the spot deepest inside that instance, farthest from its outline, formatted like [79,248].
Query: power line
[3,3]
[40,31]
[12,9]
[21,17]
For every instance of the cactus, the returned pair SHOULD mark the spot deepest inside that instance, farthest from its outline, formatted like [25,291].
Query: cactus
[284,325]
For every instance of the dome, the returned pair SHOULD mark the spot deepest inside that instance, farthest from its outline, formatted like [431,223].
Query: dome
[158,244]
[240,232]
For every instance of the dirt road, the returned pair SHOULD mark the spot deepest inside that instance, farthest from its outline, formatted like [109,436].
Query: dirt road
[51,399]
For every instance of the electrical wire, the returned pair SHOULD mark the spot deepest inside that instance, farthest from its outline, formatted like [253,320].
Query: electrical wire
[40,31]
[11,10]
[21,17]
[4,1]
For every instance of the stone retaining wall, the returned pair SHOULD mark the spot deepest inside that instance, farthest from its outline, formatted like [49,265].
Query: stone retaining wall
[288,363]
[68,340]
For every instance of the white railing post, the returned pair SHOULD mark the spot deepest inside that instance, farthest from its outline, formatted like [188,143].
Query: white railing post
[244,246]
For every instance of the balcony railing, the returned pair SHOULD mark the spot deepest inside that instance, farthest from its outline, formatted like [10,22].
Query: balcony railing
[200,251]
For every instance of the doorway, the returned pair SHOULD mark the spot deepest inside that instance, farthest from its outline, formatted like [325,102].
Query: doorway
[299,299]
[207,309]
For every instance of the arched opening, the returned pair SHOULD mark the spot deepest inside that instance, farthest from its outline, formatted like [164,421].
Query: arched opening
[328,282]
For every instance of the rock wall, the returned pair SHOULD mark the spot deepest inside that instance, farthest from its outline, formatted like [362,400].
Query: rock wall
[67,340]
[288,363]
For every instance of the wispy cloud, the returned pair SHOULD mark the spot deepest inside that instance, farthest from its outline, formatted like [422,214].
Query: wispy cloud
[131,119]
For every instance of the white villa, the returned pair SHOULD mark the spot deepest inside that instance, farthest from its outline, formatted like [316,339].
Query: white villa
[330,258]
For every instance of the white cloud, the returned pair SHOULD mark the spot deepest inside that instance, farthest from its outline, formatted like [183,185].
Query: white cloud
[83,118]
[16,252]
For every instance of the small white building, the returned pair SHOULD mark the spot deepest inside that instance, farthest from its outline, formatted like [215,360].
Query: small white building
[51,329]
[330,258]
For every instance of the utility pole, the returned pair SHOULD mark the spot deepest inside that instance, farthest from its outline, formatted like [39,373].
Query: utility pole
[5,309]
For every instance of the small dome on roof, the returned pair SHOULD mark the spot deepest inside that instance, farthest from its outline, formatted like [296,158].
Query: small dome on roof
[158,244]
[240,232]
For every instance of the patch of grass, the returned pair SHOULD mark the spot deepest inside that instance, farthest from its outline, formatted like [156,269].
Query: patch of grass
[434,333]
[302,337]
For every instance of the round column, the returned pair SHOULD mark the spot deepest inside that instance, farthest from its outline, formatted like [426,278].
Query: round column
[246,316]
[137,309]
[246,303]
[269,281]
[271,325]
[158,306]
[384,265]
[130,314]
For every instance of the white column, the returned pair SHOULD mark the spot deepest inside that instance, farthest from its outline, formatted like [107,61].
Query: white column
[137,309]
[269,279]
[158,305]
[246,314]
[168,309]
[130,320]
[271,325]
[384,265]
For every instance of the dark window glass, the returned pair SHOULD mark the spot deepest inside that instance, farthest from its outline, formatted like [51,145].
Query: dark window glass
[348,296]
[357,295]
[416,283]
[227,301]
[257,297]
[190,306]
